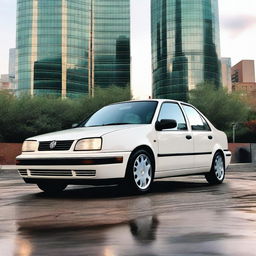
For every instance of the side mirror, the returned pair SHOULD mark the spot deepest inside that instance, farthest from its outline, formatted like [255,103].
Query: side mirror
[165,124]
[74,125]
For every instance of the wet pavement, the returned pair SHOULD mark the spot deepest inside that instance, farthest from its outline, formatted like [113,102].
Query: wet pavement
[181,216]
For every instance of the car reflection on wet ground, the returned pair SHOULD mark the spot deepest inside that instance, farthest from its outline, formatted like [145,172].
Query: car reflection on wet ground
[181,216]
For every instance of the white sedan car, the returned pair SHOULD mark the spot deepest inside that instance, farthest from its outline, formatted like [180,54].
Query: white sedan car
[128,143]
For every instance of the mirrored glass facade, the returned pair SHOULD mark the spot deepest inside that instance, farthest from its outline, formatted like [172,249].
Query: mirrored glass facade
[111,42]
[185,46]
[68,47]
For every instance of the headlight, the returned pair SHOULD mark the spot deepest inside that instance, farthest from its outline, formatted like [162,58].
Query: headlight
[89,144]
[29,146]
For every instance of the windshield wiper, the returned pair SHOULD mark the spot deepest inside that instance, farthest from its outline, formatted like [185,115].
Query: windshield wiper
[115,124]
[108,124]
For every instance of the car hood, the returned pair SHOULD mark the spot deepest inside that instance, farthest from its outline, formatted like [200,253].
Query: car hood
[83,132]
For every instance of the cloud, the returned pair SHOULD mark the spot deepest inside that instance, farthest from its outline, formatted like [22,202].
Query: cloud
[236,25]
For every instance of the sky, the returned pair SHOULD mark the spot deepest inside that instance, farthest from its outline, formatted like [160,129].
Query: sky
[237,28]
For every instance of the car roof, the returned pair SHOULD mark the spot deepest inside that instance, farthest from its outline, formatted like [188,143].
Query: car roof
[158,100]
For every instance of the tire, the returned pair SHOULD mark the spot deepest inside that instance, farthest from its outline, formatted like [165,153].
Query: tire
[217,173]
[139,172]
[52,188]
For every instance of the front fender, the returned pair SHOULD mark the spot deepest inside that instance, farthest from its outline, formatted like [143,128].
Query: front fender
[129,139]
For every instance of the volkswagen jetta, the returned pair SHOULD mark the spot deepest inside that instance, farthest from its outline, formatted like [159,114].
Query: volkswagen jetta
[128,143]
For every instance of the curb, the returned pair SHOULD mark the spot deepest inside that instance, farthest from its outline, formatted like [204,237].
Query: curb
[8,168]
[240,167]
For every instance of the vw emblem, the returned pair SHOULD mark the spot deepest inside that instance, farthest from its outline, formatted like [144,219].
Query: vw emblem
[53,144]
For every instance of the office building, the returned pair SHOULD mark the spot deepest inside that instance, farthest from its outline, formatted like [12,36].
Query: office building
[5,83]
[69,47]
[185,46]
[243,72]
[12,62]
[243,80]
[226,73]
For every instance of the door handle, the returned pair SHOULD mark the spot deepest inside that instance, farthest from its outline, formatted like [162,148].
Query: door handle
[188,137]
[210,137]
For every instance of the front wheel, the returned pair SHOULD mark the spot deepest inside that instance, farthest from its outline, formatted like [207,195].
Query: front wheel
[51,188]
[217,173]
[140,172]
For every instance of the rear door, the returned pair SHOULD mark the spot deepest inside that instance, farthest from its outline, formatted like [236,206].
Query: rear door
[202,137]
[175,146]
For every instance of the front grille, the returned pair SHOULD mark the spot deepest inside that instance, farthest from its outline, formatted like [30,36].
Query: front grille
[58,173]
[23,172]
[60,145]
[81,173]
[66,173]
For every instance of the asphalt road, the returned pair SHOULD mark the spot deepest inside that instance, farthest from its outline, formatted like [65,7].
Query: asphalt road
[181,216]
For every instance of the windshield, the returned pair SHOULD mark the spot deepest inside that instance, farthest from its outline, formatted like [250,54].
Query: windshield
[140,112]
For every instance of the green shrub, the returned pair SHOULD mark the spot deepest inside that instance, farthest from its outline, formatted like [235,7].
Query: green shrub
[219,106]
[24,117]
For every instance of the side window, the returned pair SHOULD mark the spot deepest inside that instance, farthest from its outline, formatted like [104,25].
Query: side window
[173,111]
[196,121]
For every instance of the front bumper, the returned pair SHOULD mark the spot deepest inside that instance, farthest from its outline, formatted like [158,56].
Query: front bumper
[99,166]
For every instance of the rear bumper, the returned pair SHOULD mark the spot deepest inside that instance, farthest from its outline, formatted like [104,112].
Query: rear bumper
[69,168]
[228,156]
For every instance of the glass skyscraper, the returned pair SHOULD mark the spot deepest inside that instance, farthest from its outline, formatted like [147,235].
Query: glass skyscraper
[185,46]
[69,47]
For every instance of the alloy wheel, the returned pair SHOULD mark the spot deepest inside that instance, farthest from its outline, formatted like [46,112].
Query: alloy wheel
[142,171]
[219,167]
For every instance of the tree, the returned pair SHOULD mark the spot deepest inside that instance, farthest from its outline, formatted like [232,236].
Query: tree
[251,125]
[24,117]
[219,106]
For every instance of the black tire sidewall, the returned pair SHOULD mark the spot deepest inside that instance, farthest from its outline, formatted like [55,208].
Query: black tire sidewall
[213,169]
[211,177]
[129,177]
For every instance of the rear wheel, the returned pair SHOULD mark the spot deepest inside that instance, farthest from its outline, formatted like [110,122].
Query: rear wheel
[51,188]
[217,173]
[140,172]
